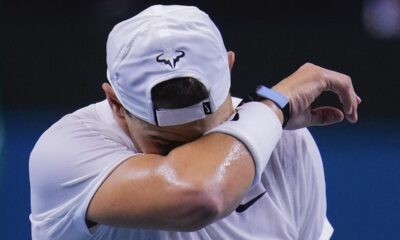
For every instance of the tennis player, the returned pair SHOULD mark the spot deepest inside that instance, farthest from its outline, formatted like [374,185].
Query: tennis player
[171,155]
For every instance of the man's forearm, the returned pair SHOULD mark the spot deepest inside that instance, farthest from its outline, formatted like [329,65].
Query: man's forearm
[232,157]
[219,164]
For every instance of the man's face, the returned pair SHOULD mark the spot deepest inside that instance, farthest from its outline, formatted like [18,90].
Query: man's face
[161,140]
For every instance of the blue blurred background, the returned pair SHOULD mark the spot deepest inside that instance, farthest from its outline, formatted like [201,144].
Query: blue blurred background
[53,62]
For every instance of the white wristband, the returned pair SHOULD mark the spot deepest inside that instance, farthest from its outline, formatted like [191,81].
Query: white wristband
[258,128]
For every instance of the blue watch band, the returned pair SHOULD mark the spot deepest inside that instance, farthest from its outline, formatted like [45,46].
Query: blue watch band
[272,95]
[262,93]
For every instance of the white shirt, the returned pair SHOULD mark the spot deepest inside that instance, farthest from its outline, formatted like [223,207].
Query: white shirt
[75,155]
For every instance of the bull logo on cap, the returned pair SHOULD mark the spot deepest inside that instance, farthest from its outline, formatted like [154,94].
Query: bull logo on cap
[170,60]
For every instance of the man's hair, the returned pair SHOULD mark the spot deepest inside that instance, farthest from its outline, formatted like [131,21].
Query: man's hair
[178,93]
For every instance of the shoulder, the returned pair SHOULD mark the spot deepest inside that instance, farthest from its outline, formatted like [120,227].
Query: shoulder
[72,153]
[68,164]
[86,126]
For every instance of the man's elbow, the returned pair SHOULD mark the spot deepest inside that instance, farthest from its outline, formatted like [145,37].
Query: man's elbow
[204,207]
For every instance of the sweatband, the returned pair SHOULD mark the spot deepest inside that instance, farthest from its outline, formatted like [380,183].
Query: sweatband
[258,128]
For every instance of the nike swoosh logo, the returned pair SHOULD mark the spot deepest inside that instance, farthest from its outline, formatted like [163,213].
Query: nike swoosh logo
[244,207]
[207,110]
[236,117]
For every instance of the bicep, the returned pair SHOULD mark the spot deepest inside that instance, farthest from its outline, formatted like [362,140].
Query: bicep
[146,192]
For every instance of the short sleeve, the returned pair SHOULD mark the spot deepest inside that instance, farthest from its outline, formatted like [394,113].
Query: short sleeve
[312,219]
[67,165]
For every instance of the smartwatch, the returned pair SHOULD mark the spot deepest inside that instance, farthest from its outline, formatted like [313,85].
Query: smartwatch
[262,93]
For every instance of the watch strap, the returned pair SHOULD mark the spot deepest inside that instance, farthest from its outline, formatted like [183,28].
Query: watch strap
[262,93]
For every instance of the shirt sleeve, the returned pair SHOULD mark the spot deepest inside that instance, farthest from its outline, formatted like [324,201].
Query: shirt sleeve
[313,223]
[67,165]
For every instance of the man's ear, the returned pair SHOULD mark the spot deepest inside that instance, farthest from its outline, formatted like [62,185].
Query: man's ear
[231,59]
[116,107]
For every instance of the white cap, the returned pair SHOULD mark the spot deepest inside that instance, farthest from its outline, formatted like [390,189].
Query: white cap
[162,43]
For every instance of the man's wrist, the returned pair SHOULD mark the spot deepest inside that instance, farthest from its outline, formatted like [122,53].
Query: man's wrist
[275,100]
[278,112]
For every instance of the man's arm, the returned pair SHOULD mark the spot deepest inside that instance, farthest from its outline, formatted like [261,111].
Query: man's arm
[204,180]
[189,188]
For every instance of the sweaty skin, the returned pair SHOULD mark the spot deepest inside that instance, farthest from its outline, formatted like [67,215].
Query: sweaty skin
[180,182]
[229,160]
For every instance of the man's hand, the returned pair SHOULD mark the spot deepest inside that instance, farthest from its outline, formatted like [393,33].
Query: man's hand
[306,84]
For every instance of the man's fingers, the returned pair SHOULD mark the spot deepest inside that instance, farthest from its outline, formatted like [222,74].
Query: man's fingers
[325,116]
[341,84]
[353,116]
[359,100]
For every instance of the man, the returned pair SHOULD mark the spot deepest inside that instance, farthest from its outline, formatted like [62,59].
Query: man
[169,155]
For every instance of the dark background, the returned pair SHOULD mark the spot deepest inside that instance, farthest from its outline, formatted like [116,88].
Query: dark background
[53,62]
